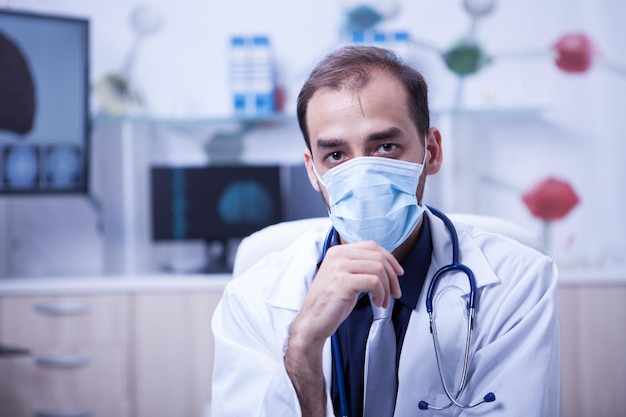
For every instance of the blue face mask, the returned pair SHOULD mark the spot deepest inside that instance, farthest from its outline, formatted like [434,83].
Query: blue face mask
[373,198]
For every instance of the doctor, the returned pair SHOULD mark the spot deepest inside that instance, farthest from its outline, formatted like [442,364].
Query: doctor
[364,117]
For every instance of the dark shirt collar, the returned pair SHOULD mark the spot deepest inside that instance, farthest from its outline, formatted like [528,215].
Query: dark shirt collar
[416,265]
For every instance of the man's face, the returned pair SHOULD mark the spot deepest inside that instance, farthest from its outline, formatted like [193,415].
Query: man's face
[373,121]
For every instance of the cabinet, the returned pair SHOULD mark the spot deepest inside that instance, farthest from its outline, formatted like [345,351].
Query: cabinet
[150,348]
[132,349]
[173,353]
[78,362]
[593,336]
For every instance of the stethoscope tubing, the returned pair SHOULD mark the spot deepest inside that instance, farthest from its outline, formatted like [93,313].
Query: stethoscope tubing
[343,401]
[332,239]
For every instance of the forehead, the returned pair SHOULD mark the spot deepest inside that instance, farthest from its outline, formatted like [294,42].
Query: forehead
[373,78]
[383,96]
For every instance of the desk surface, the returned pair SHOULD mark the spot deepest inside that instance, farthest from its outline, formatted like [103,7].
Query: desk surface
[591,276]
[113,284]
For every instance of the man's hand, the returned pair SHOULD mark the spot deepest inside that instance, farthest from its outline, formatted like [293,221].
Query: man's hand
[347,271]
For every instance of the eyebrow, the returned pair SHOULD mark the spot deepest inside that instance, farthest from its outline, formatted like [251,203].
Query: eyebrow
[330,143]
[392,132]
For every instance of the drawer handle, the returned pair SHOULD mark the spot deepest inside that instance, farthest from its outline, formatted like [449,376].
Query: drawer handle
[76,361]
[12,351]
[62,309]
[68,413]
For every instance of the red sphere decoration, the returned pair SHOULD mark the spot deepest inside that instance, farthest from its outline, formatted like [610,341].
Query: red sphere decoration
[550,199]
[575,52]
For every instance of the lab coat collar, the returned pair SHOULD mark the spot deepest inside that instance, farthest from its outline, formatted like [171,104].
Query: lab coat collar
[411,284]
[470,253]
[300,259]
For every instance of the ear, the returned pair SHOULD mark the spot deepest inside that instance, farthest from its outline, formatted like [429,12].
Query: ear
[308,163]
[433,146]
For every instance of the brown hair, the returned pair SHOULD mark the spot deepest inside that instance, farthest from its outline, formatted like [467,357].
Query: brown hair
[351,67]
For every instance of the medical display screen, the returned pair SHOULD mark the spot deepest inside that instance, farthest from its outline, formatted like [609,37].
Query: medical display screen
[213,202]
[44,111]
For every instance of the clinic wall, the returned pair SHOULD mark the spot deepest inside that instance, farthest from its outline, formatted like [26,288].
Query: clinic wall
[543,122]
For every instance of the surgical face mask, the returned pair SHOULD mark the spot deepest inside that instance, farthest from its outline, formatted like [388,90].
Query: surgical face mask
[373,198]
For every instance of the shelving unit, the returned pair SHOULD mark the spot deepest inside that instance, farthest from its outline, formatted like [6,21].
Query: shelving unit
[124,150]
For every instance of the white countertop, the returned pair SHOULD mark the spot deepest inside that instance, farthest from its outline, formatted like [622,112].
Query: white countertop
[592,276]
[114,284]
[171,283]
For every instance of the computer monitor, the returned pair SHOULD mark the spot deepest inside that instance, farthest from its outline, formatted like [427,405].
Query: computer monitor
[44,103]
[214,204]
[222,204]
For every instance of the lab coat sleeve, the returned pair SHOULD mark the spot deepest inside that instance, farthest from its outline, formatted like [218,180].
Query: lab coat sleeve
[249,376]
[517,354]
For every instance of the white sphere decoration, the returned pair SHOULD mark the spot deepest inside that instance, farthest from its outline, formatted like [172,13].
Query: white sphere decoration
[145,20]
[478,8]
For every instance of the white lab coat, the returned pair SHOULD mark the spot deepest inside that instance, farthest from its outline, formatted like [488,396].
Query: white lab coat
[515,345]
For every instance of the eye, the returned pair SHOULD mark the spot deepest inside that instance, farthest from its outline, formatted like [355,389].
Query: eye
[387,148]
[334,157]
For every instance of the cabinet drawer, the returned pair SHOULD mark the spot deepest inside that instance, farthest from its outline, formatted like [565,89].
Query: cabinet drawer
[63,321]
[28,385]
[101,409]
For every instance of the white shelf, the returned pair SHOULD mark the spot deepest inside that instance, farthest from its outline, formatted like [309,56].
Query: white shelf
[493,111]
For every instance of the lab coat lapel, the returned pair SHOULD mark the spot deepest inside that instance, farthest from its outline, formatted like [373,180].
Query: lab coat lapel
[470,253]
[297,265]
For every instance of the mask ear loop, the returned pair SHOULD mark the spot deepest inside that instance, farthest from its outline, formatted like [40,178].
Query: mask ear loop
[319,179]
[425,151]
[320,182]
[423,173]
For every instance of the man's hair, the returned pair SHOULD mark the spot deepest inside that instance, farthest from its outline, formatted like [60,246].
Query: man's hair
[351,67]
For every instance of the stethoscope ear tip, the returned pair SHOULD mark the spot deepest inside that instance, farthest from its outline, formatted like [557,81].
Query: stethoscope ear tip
[490,397]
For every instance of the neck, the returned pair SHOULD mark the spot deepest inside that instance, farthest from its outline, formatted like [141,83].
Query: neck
[401,251]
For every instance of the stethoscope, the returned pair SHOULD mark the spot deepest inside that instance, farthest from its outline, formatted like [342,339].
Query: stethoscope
[332,239]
